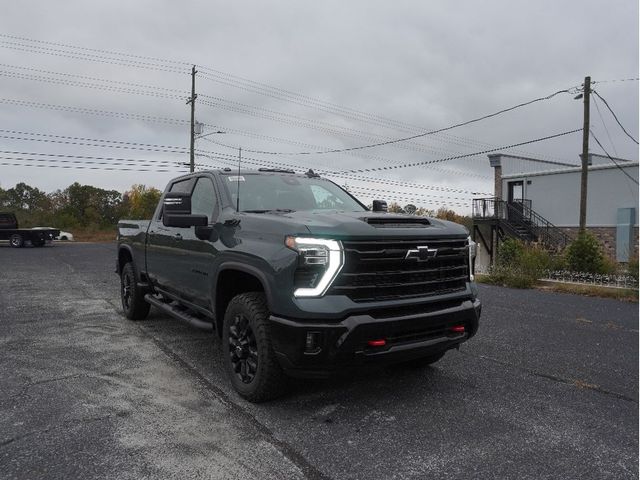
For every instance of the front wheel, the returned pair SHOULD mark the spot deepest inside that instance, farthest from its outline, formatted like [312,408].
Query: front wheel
[133,303]
[16,240]
[248,353]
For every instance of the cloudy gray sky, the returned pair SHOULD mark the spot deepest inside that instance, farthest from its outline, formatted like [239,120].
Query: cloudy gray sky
[293,76]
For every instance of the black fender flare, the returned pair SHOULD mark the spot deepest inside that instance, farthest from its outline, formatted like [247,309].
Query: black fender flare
[129,250]
[243,267]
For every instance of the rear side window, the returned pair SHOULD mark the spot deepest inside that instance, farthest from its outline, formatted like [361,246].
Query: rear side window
[203,199]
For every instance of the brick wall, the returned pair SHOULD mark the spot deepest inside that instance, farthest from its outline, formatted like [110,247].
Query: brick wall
[606,236]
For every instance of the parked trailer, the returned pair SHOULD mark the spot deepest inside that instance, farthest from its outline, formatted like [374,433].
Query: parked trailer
[19,236]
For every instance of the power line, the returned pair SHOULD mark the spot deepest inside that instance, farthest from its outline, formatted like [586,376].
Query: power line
[90,57]
[97,79]
[153,147]
[93,111]
[96,50]
[157,63]
[403,139]
[344,175]
[356,154]
[227,159]
[88,157]
[612,159]
[426,162]
[615,116]
[618,80]
[605,126]
[46,163]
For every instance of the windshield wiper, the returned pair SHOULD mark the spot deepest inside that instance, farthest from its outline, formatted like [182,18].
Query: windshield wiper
[276,210]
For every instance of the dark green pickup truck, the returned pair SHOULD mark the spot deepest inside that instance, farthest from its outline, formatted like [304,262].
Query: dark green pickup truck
[298,277]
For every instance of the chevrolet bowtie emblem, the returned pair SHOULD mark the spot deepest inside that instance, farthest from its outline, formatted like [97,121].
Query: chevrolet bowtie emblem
[421,253]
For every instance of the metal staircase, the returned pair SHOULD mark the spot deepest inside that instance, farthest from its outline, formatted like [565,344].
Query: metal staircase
[517,220]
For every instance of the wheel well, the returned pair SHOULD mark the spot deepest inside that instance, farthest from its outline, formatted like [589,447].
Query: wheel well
[124,257]
[231,283]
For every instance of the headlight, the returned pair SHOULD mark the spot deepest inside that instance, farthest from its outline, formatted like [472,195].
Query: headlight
[472,247]
[319,261]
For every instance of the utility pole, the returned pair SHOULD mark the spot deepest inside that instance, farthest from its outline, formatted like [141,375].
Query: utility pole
[192,101]
[585,155]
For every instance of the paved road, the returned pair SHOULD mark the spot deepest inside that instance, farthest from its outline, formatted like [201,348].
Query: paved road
[547,389]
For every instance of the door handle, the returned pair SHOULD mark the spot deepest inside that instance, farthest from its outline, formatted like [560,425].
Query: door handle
[178,236]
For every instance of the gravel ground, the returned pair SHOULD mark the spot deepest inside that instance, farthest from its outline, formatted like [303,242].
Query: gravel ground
[547,389]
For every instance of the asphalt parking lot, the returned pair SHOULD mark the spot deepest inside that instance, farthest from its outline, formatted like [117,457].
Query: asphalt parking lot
[547,389]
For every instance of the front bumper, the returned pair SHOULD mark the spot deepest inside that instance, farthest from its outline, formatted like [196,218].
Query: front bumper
[408,333]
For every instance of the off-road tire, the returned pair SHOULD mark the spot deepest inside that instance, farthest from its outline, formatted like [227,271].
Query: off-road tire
[269,380]
[16,240]
[133,303]
[423,361]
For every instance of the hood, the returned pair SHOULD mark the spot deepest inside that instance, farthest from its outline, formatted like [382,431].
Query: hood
[337,224]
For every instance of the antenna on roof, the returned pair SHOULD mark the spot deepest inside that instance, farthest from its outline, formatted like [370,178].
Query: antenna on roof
[238,180]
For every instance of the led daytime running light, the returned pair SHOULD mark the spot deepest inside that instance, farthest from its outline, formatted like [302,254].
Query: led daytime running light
[333,266]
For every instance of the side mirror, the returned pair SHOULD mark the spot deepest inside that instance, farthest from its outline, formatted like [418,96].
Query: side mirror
[207,232]
[176,211]
[379,206]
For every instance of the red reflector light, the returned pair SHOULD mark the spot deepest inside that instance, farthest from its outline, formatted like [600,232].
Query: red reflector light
[457,329]
[377,343]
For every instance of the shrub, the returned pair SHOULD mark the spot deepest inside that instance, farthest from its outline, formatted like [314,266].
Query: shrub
[509,251]
[632,268]
[519,265]
[584,254]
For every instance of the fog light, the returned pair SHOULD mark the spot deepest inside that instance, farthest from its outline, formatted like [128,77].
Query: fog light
[457,329]
[312,344]
[377,343]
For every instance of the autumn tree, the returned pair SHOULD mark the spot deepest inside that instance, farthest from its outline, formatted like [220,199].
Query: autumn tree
[140,201]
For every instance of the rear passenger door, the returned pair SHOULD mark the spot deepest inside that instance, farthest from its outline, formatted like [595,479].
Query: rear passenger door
[198,255]
[164,247]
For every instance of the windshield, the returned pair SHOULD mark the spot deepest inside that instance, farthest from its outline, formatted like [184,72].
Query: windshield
[264,193]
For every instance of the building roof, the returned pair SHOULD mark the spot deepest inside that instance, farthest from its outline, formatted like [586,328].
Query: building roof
[626,164]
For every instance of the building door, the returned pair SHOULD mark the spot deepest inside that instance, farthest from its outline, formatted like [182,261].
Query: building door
[515,196]
[516,192]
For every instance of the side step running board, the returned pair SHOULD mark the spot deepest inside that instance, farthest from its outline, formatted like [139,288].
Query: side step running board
[181,315]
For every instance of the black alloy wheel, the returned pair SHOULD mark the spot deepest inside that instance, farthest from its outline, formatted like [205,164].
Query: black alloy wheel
[126,290]
[243,349]
[134,305]
[248,354]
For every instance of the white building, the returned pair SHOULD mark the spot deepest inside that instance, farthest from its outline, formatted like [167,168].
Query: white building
[552,190]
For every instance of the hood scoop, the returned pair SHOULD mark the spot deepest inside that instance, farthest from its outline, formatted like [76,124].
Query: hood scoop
[387,221]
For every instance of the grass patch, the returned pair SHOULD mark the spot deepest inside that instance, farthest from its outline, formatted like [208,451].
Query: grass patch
[90,235]
[625,294]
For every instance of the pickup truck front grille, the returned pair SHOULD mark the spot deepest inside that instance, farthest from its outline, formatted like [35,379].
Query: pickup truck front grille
[397,269]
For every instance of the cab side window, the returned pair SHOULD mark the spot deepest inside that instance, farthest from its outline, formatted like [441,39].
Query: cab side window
[204,200]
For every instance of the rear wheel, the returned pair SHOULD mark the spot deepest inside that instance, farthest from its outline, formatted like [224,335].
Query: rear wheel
[248,353]
[16,240]
[133,303]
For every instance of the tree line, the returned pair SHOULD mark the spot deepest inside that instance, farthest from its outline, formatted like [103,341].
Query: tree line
[87,207]
[78,206]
